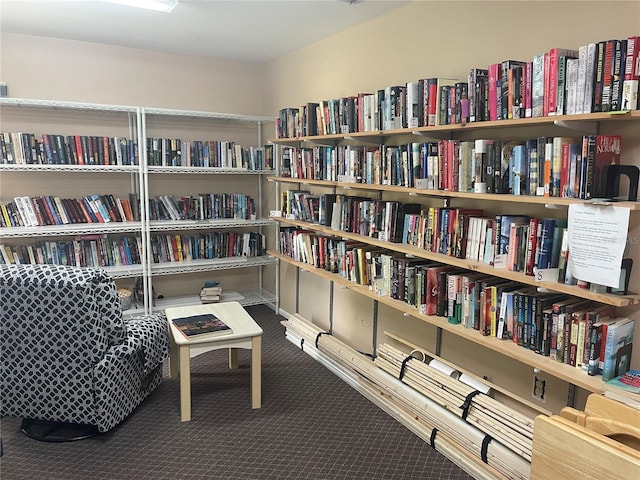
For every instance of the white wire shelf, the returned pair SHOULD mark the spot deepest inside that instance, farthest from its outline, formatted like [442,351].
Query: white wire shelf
[35,167]
[244,297]
[71,229]
[174,268]
[211,115]
[168,225]
[208,170]
[35,103]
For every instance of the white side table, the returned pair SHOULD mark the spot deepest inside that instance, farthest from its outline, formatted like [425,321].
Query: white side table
[246,334]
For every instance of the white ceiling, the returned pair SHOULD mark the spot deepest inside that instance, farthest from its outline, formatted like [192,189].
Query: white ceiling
[247,30]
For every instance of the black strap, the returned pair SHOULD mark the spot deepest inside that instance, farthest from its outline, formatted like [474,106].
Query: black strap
[370,355]
[302,344]
[319,335]
[432,439]
[485,446]
[467,403]
[404,366]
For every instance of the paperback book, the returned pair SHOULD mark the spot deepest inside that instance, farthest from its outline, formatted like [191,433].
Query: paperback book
[200,325]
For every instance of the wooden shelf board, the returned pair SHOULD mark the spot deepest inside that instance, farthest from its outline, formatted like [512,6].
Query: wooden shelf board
[505,347]
[528,199]
[496,124]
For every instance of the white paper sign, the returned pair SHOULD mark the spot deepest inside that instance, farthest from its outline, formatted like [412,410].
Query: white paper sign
[597,238]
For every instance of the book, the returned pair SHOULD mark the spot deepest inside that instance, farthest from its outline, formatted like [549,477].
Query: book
[607,152]
[618,348]
[631,74]
[199,325]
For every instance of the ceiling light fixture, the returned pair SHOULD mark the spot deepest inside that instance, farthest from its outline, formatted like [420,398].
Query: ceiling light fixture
[157,5]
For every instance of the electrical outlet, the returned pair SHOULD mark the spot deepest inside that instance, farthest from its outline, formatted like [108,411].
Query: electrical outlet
[539,388]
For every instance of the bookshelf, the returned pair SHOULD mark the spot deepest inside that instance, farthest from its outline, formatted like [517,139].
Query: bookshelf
[570,125]
[180,279]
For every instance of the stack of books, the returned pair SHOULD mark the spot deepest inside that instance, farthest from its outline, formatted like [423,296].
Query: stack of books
[211,292]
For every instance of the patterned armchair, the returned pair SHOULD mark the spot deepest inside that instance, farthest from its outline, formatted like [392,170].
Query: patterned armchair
[67,356]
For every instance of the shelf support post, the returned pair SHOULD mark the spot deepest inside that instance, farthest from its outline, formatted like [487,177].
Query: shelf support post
[571,395]
[374,332]
[331,285]
[438,340]
[297,289]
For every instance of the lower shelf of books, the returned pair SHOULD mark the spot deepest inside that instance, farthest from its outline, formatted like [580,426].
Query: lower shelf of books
[565,372]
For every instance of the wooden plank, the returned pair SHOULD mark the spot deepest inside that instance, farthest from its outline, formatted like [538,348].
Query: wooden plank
[562,446]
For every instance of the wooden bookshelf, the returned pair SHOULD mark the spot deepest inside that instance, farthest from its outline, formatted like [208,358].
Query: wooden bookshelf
[553,126]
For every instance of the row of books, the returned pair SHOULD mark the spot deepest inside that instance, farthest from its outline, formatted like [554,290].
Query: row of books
[27,211]
[516,243]
[206,246]
[102,251]
[513,242]
[204,206]
[372,218]
[566,329]
[597,77]
[19,148]
[52,149]
[82,251]
[542,166]
[174,152]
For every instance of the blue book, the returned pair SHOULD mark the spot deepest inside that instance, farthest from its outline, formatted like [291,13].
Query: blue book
[546,243]
[505,228]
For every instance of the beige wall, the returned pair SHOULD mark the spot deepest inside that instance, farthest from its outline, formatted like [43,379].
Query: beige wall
[49,68]
[424,38]
[440,38]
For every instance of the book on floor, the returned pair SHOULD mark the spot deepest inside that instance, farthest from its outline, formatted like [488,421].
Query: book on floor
[199,325]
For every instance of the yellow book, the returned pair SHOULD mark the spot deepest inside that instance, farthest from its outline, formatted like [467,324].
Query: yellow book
[5,215]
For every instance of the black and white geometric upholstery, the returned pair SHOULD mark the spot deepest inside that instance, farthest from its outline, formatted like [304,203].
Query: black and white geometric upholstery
[67,354]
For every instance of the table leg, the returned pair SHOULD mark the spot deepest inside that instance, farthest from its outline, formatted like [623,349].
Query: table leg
[233,358]
[185,384]
[174,364]
[256,372]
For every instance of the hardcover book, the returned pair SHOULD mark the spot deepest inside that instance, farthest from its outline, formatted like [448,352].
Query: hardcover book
[618,348]
[200,325]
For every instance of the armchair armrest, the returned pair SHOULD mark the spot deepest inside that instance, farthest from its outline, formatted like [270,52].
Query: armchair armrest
[150,332]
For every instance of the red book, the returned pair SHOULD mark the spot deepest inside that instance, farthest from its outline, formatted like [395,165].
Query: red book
[433,289]
[532,246]
[554,58]
[631,74]
[607,74]
[545,103]
[79,153]
[454,164]
[608,148]
[527,79]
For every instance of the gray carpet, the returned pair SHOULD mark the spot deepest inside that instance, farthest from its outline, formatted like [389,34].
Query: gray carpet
[311,426]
